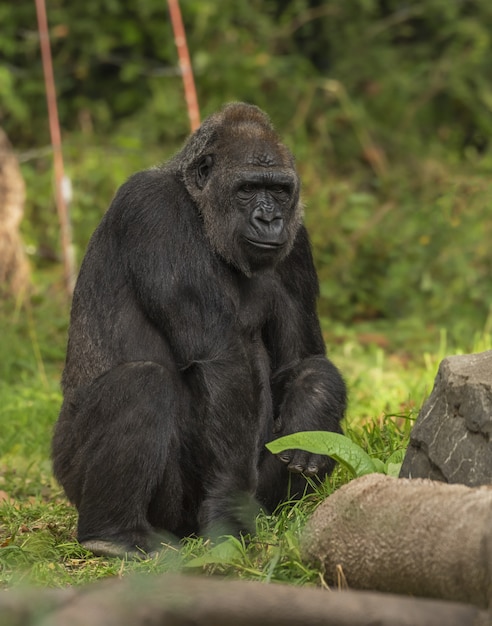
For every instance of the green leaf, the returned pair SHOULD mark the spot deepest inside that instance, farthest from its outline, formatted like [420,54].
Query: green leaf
[225,553]
[393,469]
[337,446]
[379,465]
[397,456]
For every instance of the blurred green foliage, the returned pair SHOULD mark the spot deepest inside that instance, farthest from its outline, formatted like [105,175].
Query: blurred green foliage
[387,105]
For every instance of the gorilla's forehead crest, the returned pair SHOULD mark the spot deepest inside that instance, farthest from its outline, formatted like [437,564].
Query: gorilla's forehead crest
[259,153]
[240,112]
[263,159]
[238,135]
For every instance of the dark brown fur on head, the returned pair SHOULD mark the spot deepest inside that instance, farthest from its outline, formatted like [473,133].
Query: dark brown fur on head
[237,139]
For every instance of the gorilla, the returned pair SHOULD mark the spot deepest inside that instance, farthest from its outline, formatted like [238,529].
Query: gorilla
[193,341]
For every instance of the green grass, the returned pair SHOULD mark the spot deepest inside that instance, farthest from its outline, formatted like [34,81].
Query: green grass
[387,381]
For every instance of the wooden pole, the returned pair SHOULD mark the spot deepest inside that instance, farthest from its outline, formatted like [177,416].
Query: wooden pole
[61,182]
[184,63]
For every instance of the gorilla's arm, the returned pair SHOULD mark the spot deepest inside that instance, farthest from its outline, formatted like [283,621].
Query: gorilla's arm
[167,260]
[309,392]
[181,287]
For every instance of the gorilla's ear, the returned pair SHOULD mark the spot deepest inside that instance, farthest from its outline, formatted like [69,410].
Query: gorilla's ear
[203,170]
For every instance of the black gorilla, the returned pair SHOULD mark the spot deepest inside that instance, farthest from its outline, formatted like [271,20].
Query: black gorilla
[193,341]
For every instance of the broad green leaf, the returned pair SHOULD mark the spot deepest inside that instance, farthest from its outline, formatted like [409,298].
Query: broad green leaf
[339,447]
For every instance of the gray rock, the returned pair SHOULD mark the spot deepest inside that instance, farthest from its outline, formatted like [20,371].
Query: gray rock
[451,440]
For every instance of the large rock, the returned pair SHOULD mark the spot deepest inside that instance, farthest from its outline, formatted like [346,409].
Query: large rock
[451,440]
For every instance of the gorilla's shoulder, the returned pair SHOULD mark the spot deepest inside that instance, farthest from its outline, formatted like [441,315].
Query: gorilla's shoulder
[151,192]
[300,254]
[148,182]
[297,271]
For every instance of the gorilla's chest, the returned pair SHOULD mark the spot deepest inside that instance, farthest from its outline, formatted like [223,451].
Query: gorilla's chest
[253,300]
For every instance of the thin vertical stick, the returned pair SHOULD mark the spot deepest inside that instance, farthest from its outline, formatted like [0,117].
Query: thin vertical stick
[184,63]
[61,205]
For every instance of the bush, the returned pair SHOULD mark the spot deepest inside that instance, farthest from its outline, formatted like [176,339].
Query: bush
[386,105]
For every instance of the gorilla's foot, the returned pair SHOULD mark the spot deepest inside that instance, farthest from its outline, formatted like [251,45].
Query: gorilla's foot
[105,547]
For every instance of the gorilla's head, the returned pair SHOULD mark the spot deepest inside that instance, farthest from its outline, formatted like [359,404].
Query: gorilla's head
[245,186]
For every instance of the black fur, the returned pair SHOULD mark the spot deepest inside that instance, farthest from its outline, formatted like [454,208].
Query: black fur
[193,341]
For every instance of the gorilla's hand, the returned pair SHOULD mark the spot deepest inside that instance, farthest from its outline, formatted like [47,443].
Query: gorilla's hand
[312,399]
[302,462]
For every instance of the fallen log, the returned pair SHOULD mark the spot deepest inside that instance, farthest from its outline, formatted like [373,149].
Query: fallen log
[171,600]
[418,537]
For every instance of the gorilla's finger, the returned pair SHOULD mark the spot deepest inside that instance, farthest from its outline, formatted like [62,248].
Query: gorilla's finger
[286,456]
[316,463]
[298,462]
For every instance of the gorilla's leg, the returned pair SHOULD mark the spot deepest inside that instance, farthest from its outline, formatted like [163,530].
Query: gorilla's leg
[123,429]
[227,441]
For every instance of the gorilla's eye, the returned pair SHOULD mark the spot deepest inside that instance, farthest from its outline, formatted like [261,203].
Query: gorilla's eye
[282,193]
[246,188]
[278,189]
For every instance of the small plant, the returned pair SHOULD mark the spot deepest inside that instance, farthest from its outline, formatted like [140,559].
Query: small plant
[342,449]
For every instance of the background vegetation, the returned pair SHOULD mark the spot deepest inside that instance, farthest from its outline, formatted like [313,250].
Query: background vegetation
[387,105]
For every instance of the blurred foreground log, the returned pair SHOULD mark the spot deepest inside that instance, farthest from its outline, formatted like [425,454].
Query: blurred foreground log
[14,272]
[418,537]
[171,600]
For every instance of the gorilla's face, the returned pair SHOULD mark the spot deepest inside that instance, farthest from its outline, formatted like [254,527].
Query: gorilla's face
[265,201]
[249,201]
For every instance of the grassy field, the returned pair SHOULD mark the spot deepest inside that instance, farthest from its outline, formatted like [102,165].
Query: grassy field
[389,371]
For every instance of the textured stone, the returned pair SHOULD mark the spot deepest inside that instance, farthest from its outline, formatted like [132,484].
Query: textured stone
[451,440]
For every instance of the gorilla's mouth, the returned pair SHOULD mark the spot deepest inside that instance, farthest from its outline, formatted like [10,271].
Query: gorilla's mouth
[265,245]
